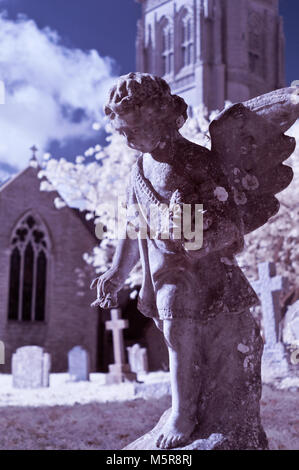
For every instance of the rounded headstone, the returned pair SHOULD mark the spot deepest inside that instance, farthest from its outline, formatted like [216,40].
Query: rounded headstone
[30,367]
[79,364]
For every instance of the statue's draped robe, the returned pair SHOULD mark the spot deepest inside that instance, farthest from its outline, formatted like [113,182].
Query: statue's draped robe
[175,283]
[214,291]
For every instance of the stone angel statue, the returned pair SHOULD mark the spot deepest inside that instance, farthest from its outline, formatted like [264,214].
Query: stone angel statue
[197,294]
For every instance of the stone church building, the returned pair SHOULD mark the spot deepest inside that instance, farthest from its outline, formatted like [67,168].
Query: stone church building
[44,282]
[210,51]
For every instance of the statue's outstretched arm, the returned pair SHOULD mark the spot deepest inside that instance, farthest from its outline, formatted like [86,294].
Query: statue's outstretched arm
[125,257]
[109,283]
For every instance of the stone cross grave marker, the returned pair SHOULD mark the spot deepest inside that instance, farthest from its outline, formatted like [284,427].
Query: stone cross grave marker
[30,367]
[268,288]
[138,359]
[119,371]
[79,365]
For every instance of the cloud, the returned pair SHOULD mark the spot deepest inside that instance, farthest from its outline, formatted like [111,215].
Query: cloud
[52,92]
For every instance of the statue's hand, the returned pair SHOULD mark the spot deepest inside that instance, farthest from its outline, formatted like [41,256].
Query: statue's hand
[107,287]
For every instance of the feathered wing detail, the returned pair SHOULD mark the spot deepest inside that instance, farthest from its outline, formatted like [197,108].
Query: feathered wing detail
[249,142]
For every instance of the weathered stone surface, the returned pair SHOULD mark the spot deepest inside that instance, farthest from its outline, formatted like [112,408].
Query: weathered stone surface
[30,367]
[269,287]
[254,154]
[147,442]
[230,388]
[158,356]
[192,285]
[79,364]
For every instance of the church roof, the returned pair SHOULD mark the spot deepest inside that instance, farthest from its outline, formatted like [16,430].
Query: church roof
[33,165]
[10,179]
[4,181]
[89,224]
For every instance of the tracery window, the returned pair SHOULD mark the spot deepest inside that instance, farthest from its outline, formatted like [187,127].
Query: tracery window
[28,271]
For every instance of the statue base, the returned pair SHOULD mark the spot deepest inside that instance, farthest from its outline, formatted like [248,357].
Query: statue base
[200,440]
[228,405]
[119,373]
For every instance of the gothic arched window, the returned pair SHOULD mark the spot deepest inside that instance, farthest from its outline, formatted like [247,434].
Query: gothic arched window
[28,270]
[166,48]
[186,40]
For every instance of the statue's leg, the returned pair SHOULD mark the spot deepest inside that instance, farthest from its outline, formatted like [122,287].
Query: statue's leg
[231,390]
[158,323]
[215,369]
[183,341]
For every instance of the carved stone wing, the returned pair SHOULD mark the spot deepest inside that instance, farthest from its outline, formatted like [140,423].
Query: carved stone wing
[249,142]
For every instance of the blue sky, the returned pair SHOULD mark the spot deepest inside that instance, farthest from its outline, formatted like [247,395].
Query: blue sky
[58,87]
[289,10]
[109,26]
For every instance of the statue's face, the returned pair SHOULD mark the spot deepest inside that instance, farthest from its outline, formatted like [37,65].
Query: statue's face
[141,134]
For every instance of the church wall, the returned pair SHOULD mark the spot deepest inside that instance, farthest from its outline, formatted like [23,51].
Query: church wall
[69,319]
[183,82]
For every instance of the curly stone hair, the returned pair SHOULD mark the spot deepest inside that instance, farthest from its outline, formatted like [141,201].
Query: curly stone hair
[142,90]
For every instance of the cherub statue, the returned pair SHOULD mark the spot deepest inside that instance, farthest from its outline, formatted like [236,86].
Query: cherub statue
[200,298]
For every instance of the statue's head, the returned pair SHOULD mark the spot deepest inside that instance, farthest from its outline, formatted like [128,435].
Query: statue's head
[142,108]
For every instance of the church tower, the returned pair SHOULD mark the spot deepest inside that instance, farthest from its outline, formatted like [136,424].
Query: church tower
[210,51]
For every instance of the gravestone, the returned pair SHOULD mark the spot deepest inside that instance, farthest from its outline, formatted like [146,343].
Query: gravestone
[290,333]
[119,371]
[291,325]
[79,364]
[2,353]
[30,367]
[138,359]
[269,287]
